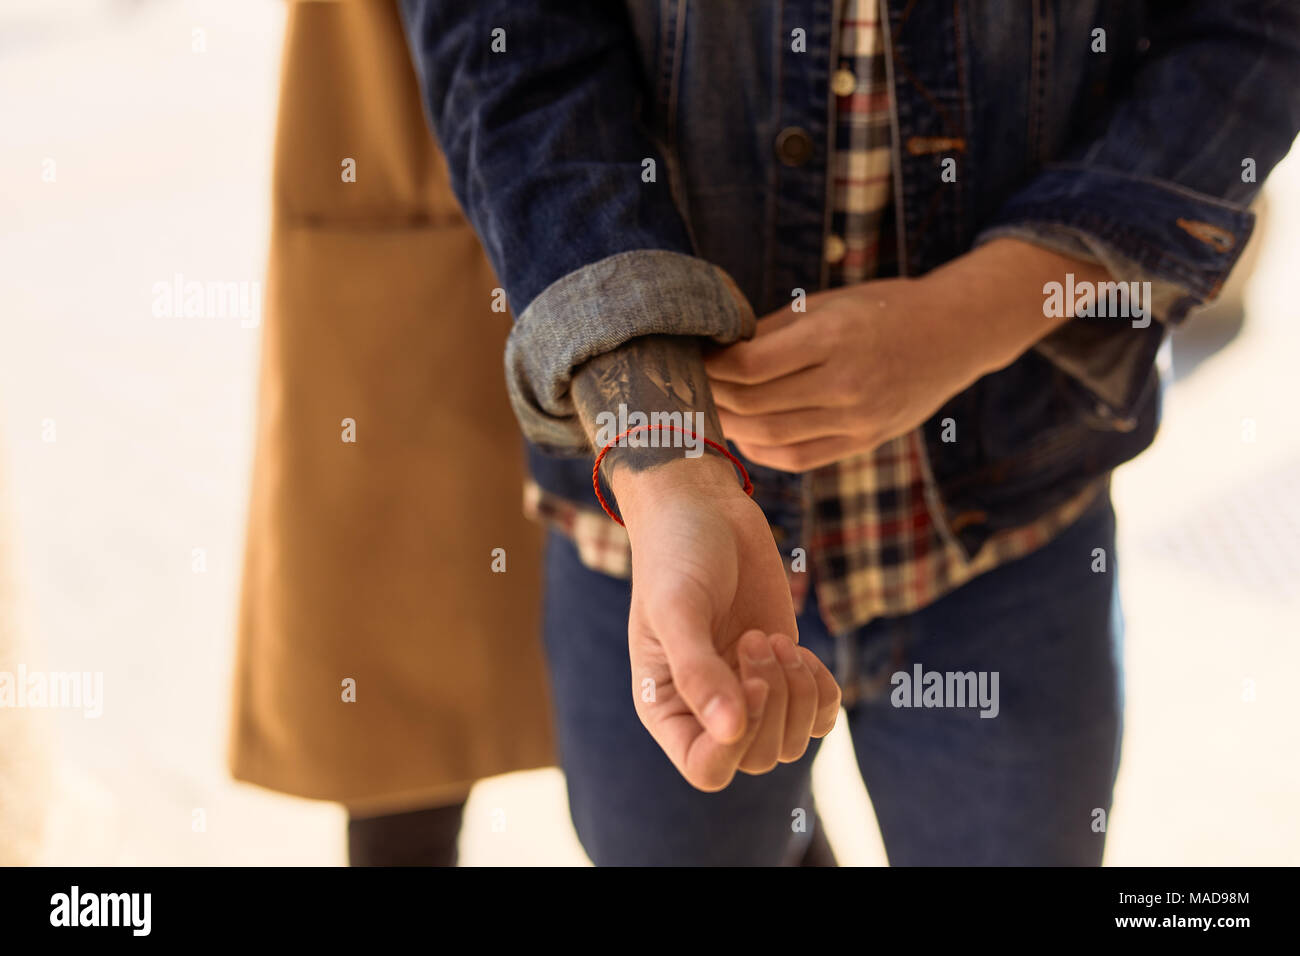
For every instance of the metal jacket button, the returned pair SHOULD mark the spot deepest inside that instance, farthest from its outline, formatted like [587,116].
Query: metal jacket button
[843,82]
[835,249]
[794,146]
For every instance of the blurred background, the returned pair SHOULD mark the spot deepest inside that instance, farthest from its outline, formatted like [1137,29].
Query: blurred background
[125,451]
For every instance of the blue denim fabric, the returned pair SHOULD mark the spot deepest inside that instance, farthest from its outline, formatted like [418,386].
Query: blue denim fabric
[1134,154]
[948,786]
[658,293]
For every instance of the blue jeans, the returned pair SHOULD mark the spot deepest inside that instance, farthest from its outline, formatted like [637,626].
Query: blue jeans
[1029,786]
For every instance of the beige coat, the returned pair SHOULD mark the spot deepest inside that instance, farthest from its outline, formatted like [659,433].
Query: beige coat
[371,561]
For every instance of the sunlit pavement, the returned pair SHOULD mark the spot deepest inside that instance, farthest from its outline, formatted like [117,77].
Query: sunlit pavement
[162,157]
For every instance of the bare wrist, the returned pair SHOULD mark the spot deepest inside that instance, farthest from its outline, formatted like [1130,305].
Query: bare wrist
[709,477]
[997,289]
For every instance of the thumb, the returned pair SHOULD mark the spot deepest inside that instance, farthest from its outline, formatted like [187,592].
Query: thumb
[703,679]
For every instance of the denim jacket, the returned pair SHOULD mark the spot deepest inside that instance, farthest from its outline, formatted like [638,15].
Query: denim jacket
[660,166]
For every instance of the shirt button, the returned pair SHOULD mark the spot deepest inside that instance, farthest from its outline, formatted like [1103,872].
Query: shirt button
[835,248]
[843,82]
[794,146]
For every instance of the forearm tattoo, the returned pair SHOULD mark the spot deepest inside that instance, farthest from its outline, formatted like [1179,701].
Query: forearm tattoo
[657,378]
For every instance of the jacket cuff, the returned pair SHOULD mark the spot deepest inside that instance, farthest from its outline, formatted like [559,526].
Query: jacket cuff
[596,309]
[1168,233]
[1111,357]
[1141,229]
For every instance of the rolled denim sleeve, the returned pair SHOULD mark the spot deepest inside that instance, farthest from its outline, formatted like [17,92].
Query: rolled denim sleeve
[538,108]
[1159,195]
[597,308]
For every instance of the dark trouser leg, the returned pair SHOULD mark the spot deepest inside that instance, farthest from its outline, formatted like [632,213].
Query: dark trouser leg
[414,838]
[1031,785]
[819,852]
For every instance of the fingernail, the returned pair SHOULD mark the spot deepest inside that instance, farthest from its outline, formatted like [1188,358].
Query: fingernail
[759,653]
[719,719]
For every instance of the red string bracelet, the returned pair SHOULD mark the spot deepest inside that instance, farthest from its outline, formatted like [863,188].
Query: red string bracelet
[595,471]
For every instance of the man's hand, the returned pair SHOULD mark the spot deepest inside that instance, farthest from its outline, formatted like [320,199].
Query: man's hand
[717,676]
[869,362]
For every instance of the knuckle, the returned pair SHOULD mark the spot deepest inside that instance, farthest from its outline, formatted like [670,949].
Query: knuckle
[711,776]
[723,394]
[770,456]
[795,753]
[860,419]
[846,383]
[770,431]
[710,782]
[798,460]
[745,366]
[757,764]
